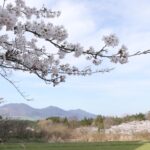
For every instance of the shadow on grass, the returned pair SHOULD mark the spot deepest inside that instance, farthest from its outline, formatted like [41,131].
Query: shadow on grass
[77,146]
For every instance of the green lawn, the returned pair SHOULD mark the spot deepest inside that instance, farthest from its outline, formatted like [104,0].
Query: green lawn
[78,146]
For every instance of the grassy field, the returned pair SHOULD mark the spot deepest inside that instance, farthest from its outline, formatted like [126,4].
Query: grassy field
[78,146]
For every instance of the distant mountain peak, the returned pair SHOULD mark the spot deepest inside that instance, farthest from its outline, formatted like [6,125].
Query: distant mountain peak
[24,111]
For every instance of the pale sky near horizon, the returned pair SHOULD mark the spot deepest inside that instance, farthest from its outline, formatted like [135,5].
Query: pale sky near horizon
[124,90]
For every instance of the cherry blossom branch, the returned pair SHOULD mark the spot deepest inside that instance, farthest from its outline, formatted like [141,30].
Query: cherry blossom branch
[87,52]
[18,52]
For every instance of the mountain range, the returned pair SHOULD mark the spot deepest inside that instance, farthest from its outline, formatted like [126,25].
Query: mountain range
[24,111]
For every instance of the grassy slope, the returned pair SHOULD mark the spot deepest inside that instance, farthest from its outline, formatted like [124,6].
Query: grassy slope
[78,146]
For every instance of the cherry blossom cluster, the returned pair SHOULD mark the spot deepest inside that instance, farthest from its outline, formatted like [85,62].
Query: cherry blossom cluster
[21,9]
[122,56]
[7,19]
[47,31]
[111,40]
[19,50]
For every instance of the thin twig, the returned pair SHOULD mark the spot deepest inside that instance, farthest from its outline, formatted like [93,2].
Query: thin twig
[140,53]
[4,3]
[12,83]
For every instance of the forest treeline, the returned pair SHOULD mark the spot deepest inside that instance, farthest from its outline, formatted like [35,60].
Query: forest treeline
[56,128]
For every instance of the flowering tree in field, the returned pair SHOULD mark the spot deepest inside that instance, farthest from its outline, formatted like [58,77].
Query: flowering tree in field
[21,29]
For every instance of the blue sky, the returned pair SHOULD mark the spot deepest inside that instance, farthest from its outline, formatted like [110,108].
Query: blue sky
[126,89]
